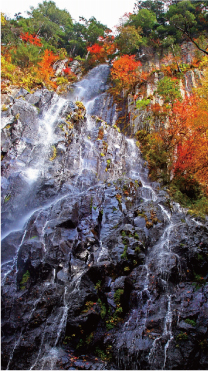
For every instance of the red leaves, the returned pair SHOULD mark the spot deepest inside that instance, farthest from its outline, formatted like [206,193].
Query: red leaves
[31,39]
[189,126]
[94,49]
[185,139]
[100,52]
[67,71]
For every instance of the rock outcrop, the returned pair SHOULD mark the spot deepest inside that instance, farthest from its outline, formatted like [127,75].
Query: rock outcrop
[101,270]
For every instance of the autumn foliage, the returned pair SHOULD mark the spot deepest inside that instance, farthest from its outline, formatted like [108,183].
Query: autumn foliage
[179,150]
[101,51]
[94,49]
[67,71]
[35,40]
[189,130]
[125,71]
[46,70]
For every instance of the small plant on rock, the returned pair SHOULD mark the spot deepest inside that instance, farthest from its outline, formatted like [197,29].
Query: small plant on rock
[25,278]
[54,153]
[98,285]
[182,336]
[190,322]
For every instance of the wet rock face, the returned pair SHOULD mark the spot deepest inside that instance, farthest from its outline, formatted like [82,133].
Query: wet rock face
[100,269]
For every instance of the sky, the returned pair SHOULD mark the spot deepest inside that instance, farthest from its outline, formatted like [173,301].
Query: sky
[107,12]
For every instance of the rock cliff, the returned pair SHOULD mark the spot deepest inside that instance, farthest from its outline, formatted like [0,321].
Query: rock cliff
[100,268]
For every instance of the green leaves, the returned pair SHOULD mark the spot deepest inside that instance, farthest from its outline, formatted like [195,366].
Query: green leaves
[129,39]
[25,55]
[145,19]
[168,89]
[141,104]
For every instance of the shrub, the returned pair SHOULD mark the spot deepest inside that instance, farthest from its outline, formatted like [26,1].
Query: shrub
[141,104]
[26,55]
[168,89]
[182,336]
[190,322]
[117,295]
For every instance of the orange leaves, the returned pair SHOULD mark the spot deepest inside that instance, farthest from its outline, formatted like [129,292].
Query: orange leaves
[94,49]
[156,109]
[48,59]
[144,75]
[31,39]
[100,52]
[125,71]
[180,148]
[46,70]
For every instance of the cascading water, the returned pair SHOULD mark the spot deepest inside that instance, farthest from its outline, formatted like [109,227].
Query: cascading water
[93,224]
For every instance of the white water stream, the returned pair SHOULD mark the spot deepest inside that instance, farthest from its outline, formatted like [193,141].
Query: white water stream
[124,157]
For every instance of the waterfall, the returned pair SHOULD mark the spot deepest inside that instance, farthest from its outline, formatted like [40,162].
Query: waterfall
[81,220]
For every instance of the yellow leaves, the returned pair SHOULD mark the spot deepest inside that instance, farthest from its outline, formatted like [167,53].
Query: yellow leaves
[204,62]
[3,19]
[54,156]
[30,77]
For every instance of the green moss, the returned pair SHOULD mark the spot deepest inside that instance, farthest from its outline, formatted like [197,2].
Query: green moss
[66,340]
[124,255]
[105,355]
[7,198]
[91,202]
[25,278]
[116,317]
[89,338]
[117,295]
[126,269]
[80,343]
[88,306]
[190,322]
[61,80]
[182,336]
[198,278]
[137,249]
[103,310]
[203,345]
[98,285]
